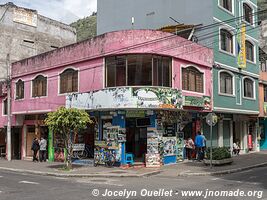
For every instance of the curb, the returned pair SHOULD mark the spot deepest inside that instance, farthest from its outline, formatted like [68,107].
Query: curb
[147,174]
[230,171]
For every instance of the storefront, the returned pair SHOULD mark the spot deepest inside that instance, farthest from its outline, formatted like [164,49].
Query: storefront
[146,122]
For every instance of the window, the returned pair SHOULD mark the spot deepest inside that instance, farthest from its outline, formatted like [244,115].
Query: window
[247,13]
[265,93]
[5,107]
[69,81]
[227,4]
[138,70]
[226,41]
[249,51]
[248,88]
[192,79]
[20,89]
[39,86]
[226,83]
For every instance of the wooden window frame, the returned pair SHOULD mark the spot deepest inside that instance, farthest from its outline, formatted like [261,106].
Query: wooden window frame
[224,79]
[247,13]
[229,39]
[190,74]
[39,86]
[69,81]
[19,89]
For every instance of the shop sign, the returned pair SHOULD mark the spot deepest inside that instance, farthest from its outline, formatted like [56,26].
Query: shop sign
[153,160]
[78,147]
[169,130]
[135,113]
[202,102]
[127,97]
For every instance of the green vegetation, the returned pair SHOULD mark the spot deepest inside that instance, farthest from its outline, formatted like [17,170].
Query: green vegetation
[66,122]
[86,27]
[219,153]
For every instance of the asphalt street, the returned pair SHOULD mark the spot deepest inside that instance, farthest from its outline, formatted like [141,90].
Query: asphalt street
[16,186]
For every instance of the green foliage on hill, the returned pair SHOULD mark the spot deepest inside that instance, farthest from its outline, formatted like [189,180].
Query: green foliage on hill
[86,27]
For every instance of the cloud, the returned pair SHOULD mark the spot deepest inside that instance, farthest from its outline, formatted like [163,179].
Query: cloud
[65,11]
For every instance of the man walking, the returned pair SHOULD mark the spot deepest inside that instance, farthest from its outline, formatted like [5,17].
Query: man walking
[35,148]
[200,143]
[42,153]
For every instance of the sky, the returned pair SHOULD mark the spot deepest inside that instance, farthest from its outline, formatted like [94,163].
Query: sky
[65,11]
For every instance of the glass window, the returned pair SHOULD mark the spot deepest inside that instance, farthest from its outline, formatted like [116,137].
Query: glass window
[192,79]
[69,81]
[227,4]
[248,88]
[265,93]
[39,86]
[250,51]
[247,13]
[138,70]
[5,107]
[226,41]
[20,89]
[226,83]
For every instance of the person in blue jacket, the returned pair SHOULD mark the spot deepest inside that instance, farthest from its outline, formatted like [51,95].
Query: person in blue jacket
[200,143]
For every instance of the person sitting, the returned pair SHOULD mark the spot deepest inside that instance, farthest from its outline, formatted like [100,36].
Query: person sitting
[236,148]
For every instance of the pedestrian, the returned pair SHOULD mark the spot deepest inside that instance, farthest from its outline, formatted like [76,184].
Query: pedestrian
[42,153]
[190,146]
[236,148]
[35,148]
[200,143]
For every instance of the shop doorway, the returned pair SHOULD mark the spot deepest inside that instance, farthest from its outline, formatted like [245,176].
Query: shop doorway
[136,140]
[16,143]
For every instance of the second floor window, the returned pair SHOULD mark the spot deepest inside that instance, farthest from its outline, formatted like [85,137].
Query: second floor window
[20,89]
[226,41]
[69,81]
[226,83]
[247,13]
[39,86]
[192,79]
[248,88]
[5,107]
[227,4]
[265,93]
[250,51]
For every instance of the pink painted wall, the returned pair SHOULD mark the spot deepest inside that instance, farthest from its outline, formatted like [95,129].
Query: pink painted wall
[88,58]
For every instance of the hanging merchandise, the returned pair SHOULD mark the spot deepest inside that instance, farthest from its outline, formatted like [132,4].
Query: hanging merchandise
[153,158]
[180,146]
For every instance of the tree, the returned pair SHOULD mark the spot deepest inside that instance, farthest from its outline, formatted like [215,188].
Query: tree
[66,121]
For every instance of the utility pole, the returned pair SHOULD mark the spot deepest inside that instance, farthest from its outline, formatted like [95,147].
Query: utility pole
[8,83]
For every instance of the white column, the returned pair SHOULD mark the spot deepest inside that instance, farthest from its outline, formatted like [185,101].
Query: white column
[231,135]
[220,133]
[245,136]
[24,142]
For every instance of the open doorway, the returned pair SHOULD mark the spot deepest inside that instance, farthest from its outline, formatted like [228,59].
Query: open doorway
[136,140]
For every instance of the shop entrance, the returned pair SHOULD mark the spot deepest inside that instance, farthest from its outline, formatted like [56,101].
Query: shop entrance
[136,140]
[15,143]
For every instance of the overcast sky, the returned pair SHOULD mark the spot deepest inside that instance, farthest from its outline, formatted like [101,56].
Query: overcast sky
[65,11]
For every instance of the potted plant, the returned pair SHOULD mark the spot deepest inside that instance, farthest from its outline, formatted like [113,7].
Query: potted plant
[220,156]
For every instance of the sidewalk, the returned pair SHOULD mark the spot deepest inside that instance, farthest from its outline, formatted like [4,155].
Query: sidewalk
[186,168]
[194,168]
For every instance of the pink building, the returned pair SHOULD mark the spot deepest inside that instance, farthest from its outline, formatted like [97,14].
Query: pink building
[135,74]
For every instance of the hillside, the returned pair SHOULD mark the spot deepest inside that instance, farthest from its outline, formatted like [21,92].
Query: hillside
[86,27]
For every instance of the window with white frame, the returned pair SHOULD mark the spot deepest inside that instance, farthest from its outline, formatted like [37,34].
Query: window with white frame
[226,4]
[226,41]
[249,51]
[247,13]
[226,83]
[248,88]
[39,86]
